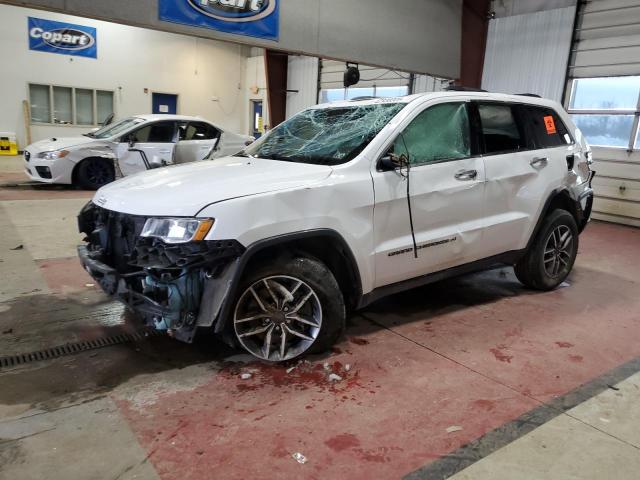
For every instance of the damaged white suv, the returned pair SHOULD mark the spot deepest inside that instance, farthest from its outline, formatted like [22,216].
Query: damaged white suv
[338,206]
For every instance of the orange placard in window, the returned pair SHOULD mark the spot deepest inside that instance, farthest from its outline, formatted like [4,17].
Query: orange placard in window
[550,125]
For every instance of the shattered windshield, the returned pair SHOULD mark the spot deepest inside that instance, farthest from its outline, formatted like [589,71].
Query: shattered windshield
[325,136]
[117,128]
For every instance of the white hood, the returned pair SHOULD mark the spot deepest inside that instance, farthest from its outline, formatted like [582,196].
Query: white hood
[51,144]
[184,190]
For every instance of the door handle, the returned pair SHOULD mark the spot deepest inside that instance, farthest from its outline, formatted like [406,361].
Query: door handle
[466,175]
[539,162]
[164,151]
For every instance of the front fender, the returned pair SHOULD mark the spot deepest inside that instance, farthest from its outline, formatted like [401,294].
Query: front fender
[219,292]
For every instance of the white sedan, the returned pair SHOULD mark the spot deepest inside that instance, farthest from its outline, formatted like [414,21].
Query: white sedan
[129,146]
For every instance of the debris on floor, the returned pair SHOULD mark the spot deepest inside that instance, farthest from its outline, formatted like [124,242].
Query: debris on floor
[334,378]
[300,458]
[19,247]
[454,428]
[245,376]
[564,284]
[89,284]
[6,332]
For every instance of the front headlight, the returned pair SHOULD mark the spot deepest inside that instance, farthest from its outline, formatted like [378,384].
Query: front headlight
[177,230]
[53,155]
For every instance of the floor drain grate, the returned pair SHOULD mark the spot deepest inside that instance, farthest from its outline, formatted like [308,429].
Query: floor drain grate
[77,347]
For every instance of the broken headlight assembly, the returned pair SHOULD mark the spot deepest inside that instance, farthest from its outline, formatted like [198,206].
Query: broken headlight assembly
[177,230]
[53,155]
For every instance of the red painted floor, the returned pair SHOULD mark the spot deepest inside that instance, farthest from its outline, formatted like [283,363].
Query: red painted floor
[473,353]
[65,275]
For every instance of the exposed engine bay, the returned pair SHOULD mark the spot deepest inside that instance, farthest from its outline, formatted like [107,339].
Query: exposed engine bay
[163,283]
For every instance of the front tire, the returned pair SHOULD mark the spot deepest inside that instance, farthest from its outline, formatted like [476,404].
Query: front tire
[289,308]
[93,173]
[550,258]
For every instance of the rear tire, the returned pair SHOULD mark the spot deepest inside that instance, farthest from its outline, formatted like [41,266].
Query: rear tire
[93,173]
[550,258]
[288,308]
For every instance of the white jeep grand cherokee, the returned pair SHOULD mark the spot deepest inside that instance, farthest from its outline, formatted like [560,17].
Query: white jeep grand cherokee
[338,206]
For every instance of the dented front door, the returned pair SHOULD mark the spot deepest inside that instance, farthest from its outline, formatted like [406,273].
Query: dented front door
[150,146]
[446,193]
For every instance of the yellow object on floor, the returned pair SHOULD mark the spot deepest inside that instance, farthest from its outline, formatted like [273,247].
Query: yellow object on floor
[8,143]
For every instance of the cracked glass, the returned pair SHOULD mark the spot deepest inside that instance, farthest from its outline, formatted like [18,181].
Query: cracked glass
[325,136]
[439,133]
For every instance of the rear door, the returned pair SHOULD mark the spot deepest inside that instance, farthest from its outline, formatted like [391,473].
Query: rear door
[196,141]
[521,171]
[446,185]
[153,146]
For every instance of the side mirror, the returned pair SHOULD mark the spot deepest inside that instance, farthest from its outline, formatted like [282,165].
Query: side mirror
[392,161]
[131,140]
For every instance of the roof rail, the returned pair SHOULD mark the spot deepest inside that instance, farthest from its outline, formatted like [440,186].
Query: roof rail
[535,95]
[364,97]
[458,88]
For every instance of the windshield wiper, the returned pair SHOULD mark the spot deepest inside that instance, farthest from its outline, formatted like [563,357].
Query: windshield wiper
[241,154]
[90,135]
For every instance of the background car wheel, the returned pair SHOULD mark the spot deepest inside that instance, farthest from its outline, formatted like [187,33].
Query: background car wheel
[93,173]
[287,309]
[551,257]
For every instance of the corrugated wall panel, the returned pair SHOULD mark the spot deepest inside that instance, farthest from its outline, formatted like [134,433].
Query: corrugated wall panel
[302,76]
[608,39]
[529,53]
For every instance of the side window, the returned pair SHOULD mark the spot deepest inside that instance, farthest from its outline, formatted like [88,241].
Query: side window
[439,133]
[159,132]
[199,131]
[549,130]
[500,131]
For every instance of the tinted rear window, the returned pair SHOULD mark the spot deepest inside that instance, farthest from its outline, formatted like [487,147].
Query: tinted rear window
[500,132]
[547,128]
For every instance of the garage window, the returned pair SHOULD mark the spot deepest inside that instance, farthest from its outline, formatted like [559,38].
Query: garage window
[59,105]
[607,110]
[336,94]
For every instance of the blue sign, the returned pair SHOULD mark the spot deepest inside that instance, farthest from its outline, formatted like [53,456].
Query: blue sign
[64,38]
[253,18]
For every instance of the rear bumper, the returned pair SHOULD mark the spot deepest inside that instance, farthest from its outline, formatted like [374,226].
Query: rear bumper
[585,204]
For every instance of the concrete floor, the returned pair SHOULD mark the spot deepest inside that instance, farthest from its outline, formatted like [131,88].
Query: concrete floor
[474,377]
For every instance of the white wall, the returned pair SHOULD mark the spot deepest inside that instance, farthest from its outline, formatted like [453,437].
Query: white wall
[420,36]
[129,60]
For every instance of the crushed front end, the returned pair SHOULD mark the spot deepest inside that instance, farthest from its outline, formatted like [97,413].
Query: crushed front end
[164,283]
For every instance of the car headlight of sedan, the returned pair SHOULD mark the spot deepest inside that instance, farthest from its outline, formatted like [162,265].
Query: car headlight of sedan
[53,155]
[177,230]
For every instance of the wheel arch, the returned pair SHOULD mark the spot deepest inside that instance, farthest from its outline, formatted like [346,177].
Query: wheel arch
[325,245]
[559,198]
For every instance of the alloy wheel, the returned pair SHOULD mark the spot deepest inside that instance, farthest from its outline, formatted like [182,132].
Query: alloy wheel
[558,251]
[278,318]
[98,173]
